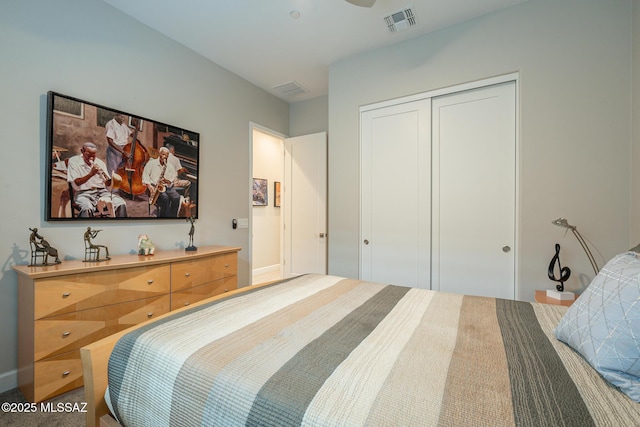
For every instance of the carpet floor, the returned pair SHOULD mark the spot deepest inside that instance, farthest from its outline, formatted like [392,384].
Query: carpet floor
[61,411]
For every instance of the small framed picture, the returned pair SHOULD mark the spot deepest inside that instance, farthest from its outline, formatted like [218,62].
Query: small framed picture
[276,194]
[260,196]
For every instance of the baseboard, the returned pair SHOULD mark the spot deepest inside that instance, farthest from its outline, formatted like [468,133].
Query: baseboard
[267,269]
[8,380]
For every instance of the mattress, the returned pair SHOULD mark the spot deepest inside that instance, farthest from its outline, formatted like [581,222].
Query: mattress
[323,350]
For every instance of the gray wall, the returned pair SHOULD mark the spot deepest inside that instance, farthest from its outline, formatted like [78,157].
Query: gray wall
[307,117]
[574,59]
[92,51]
[635,120]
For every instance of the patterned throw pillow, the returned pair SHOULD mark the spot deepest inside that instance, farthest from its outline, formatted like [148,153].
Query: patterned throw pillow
[603,325]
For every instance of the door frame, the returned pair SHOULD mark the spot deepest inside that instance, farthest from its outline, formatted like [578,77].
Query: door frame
[263,129]
[515,77]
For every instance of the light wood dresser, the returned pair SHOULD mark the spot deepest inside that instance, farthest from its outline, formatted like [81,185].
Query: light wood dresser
[64,307]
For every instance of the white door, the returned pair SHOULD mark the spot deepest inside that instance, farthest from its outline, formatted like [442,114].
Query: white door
[474,190]
[395,194]
[305,205]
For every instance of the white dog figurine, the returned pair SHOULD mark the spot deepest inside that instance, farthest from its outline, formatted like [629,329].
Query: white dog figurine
[145,246]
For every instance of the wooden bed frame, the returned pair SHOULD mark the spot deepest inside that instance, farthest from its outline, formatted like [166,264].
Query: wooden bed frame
[95,360]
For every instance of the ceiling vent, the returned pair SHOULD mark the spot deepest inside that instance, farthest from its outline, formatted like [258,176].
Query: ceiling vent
[401,20]
[290,89]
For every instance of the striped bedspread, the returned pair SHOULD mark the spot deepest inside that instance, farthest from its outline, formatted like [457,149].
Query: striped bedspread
[324,350]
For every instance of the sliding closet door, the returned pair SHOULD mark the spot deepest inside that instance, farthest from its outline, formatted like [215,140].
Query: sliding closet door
[474,187]
[395,194]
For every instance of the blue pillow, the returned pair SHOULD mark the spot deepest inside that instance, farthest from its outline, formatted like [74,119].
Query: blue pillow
[603,325]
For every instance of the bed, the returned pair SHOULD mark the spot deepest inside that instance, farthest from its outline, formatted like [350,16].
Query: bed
[326,350]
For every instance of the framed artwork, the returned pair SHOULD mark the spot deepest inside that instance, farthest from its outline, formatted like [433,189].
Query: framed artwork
[78,134]
[260,194]
[276,194]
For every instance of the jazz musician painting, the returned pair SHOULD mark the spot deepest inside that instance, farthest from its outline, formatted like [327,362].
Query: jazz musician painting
[160,176]
[90,181]
[98,156]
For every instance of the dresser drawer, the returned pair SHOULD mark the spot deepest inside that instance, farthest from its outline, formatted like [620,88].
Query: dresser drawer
[66,294]
[66,332]
[57,375]
[190,295]
[187,274]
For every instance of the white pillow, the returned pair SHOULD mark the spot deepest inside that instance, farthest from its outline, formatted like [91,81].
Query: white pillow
[603,325]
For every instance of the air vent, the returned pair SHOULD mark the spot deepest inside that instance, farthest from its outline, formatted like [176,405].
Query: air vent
[290,89]
[401,20]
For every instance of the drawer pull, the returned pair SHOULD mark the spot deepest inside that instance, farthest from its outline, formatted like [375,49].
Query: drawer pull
[150,281]
[150,314]
[226,265]
[65,373]
[66,334]
[186,304]
[226,290]
[187,274]
[66,294]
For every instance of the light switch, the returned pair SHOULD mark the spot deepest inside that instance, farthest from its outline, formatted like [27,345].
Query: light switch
[243,222]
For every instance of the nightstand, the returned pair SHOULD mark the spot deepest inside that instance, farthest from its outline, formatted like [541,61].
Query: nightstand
[541,296]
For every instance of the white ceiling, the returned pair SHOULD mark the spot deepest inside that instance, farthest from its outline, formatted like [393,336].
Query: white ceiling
[259,40]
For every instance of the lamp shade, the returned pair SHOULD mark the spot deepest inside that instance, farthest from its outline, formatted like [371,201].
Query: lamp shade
[362,3]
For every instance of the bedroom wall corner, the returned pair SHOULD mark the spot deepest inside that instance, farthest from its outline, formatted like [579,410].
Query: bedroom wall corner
[307,117]
[634,213]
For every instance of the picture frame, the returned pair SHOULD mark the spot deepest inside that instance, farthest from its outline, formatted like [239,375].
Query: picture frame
[73,122]
[276,194]
[260,192]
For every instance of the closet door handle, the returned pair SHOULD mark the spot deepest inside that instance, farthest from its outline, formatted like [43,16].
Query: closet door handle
[506,249]
[366,242]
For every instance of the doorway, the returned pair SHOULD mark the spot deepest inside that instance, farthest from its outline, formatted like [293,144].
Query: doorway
[267,167]
[289,221]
